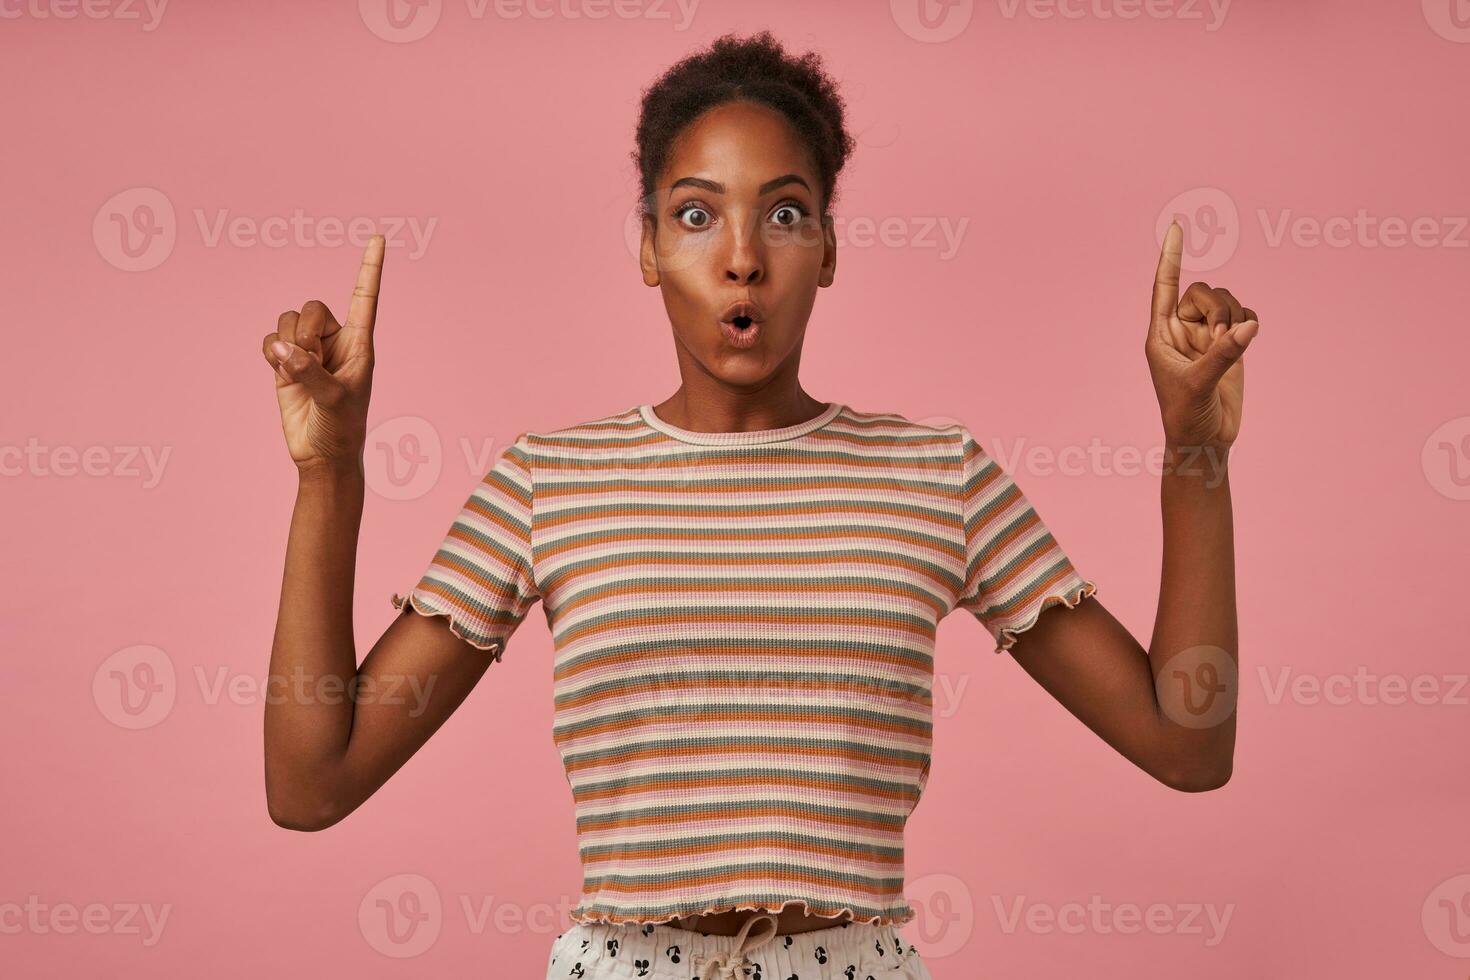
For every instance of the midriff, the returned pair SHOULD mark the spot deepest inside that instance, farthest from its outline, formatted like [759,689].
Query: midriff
[790,920]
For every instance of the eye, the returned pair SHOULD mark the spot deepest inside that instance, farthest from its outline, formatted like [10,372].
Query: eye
[698,216]
[795,212]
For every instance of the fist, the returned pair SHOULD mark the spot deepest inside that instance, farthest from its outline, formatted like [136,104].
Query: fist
[323,370]
[1196,355]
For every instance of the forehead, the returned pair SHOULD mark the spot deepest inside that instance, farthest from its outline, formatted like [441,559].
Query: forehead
[740,144]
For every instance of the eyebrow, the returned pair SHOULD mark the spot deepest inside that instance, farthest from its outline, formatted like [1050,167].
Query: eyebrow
[715,187]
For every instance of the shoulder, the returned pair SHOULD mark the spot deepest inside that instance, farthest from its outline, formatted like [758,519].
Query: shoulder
[944,433]
[606,433]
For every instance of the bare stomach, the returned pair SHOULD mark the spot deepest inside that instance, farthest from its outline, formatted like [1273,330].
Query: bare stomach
[792,919]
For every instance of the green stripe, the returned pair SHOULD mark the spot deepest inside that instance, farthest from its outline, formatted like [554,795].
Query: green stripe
[734,644]
[806,614]
[1040,546]
[798,585]
[719,870]
[747,479]
[771,680]
[745,531]
[628,557]
[664,713]
[751,509]
[744,838]
[676,780]
[746,742]
[894,821]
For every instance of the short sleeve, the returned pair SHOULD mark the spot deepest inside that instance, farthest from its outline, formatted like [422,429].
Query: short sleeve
[482,577]
[1014,568]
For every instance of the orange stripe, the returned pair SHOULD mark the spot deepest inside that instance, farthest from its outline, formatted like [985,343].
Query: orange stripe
[818,685]
[678,617]
[652,509]
[636,852]
[724,587]
[693,560]
[635,754]
[712,780]
[618,822]
[748,649]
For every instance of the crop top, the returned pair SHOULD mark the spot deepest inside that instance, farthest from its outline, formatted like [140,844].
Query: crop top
[744,627]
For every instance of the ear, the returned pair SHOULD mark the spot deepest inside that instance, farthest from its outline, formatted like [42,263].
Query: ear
[829,252]
[647,253]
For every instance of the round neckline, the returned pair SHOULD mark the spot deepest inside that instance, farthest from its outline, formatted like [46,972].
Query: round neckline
[751,437]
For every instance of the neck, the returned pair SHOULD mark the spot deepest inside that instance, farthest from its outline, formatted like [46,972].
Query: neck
[721,410]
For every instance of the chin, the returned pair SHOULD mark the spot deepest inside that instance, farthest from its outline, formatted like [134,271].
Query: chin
[742,370]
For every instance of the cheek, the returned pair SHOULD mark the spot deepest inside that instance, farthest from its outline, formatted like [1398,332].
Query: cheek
[796,264]
[804,237]
[687,256]
[686,306]
[683,296]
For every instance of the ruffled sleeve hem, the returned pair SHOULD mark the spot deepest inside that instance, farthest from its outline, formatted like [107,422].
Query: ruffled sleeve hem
[426,607]
[1006,637]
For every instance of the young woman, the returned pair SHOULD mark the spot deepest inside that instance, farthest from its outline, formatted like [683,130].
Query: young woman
[743,581]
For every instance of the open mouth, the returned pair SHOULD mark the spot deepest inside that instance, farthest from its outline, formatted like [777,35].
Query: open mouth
[741,324]
[741,332]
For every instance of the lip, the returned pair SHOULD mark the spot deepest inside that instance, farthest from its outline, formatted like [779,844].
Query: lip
[734,336]
[740,339]
[743,307]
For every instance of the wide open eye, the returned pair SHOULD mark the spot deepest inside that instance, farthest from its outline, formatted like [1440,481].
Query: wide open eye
[692,216]
[788,214]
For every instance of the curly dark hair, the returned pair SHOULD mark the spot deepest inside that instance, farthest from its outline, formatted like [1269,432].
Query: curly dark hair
[756,69]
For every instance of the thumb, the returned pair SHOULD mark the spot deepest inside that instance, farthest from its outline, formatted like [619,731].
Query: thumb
[300,366]
[1223,353]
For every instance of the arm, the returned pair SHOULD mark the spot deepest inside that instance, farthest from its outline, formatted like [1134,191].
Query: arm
[335,731]
[1170,709]
[326,751]
[1094,667]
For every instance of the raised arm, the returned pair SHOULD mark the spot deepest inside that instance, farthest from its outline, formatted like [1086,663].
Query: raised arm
[1170,709]
[335,731]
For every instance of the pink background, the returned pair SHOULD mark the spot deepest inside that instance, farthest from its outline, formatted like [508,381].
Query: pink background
[1336,851]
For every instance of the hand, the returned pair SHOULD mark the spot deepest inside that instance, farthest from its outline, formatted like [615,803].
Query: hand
[324,371]
[1195,351]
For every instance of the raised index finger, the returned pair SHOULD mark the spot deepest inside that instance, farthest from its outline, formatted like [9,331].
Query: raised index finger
[362,312]
[1166,279]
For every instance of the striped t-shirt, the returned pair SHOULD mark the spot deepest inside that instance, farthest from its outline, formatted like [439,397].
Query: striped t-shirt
[744,629]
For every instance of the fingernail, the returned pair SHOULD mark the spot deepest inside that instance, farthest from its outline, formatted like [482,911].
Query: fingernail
[281,349]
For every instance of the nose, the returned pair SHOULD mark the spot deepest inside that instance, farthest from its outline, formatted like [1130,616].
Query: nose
[746,265]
